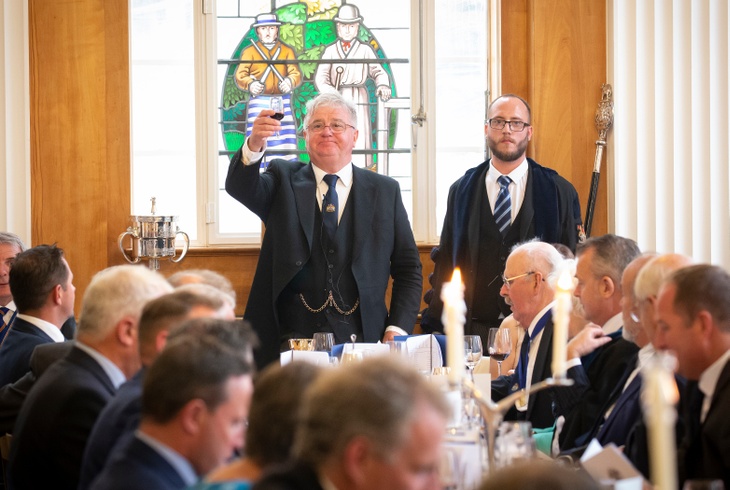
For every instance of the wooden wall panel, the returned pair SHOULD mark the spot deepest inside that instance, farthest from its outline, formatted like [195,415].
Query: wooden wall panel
[79,112]
[554,52]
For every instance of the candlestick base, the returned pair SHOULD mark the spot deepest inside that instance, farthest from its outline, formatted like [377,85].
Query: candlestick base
[493,413]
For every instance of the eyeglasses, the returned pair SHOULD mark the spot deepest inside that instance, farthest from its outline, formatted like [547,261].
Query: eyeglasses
[509,280]
[335,126]
[516,126]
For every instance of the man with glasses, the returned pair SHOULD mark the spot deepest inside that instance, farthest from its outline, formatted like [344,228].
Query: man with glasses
[335,235]
[598,355]
[528,286]
[504,201]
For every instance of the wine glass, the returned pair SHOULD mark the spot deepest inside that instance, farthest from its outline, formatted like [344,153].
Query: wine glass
[473,352]
[500,346]
[276,104]
[323,342]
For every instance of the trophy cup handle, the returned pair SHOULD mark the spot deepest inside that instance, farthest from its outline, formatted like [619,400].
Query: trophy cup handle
[185,247]
[121,247]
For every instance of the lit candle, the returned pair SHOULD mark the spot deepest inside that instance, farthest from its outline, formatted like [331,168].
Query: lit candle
[453,317]
[659,396]
[561,321]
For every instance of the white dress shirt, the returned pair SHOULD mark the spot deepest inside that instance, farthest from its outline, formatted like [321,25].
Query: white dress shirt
[516,189]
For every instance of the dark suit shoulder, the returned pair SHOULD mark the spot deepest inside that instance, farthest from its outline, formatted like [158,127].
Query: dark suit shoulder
[289,476]
[135,466]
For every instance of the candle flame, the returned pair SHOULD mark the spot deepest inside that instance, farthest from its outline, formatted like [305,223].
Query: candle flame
[456,277]
[565,281]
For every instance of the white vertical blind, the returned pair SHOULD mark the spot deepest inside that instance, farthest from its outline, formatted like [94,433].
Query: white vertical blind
[14,120]
[669,151]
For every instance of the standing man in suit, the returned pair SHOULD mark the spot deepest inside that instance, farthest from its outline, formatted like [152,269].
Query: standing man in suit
[329,248]
[504,201]
[378,424]
[59,412]
[693,320]
[528,286]
[195,402]
[43,291]
[10,246]
[598,356]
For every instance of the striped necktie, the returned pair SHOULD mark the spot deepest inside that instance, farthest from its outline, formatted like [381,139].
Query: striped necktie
[503,206]
[3,326]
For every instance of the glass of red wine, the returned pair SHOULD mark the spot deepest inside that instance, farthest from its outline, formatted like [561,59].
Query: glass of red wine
[500,346]
[276,104]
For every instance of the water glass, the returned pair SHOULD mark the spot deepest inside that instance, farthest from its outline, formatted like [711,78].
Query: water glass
[398,348]
[514,443]
[323,342]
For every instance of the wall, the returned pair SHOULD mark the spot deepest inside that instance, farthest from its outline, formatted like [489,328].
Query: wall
[553,52]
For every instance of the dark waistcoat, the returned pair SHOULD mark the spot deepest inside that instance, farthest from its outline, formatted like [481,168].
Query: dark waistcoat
[329,270]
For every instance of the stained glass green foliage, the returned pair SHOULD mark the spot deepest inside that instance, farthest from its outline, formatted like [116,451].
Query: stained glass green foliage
[308,37]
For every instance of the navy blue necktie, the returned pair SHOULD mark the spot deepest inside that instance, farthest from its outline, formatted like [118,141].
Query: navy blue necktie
[330,206]
[525,349]
[503,205]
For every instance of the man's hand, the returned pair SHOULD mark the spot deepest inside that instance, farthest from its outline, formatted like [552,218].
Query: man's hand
[587,340]
[389,336]
[285,86]
[264,126]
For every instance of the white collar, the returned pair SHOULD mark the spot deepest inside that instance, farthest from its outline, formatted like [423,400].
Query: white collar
[345,174]
[46,327]
[516,174]
[112,370]
[613,324]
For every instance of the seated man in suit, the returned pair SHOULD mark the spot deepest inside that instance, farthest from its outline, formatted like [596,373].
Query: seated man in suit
[10,246]
[622,409]
[529,288]
[204,276]
[43,291]
[375,424]
[13,395]
[598,356]
[195,403]
[59,412]
[159,317]
[646,288]
[693,321]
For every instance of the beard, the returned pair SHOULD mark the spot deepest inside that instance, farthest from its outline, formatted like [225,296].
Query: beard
[507,156]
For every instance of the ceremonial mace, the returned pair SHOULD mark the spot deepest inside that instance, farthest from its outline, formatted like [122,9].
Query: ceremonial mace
[603,121]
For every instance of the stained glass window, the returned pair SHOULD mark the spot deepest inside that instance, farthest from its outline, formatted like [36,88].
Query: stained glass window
[196,63]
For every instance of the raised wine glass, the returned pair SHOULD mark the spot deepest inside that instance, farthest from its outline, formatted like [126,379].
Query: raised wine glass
[473,352]
[276,103]
[500,346]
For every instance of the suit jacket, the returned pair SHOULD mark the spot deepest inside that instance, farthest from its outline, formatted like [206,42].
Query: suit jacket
[581,404]
[290,476]
[13,395]
[136,466]
[705,453]
[550,211]
[284,198]
[17,348]
[55,422]
[539,408]
[119,418]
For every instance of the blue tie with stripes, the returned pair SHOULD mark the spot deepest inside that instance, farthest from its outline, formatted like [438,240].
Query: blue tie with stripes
[503,206]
